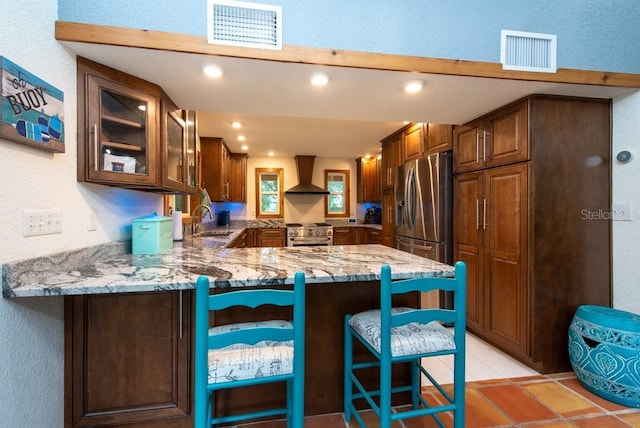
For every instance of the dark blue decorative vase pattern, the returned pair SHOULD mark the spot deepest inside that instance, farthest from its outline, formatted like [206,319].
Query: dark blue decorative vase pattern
[604,351]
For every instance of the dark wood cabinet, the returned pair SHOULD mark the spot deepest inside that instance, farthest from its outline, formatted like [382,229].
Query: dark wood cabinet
[224,174]
[388,233]
[499,138]
[532,255]
[271,237]
[130,134]
[238,177]
[179,148]
[413,142]
[128,360]
[491,224]
[368,178]
[391,159]
[368,235]
[215,168]
[241,241]
[439,138]
[344,236]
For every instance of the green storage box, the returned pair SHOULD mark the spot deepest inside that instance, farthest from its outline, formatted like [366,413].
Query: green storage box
[151,234]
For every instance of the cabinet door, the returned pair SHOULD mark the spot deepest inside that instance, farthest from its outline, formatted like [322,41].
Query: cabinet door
[468,211]
[506,137]
[120,136]
[193,148]
[272,237]
[439,138]
[374,236]
[505,248]
[413,142]
[468,147]
[390,161]
[174,157]
[129,360]
[214,168]
[344,236]
[238,177]
[388,220]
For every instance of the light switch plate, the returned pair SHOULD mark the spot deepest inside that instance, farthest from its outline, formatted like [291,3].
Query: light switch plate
[41,222]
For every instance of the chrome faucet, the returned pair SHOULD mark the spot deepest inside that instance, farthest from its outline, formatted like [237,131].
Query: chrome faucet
[196,224]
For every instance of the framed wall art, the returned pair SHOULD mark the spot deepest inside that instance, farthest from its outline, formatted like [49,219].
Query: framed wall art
[32,109]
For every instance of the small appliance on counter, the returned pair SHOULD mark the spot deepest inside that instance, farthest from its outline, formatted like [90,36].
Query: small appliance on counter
[373,216]
[151,234]
[223,218]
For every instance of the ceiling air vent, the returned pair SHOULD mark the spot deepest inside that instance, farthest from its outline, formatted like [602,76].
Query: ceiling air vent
[238,23]
[528,51]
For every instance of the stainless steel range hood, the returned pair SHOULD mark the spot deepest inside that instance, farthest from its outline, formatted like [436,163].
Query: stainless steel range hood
[304,164]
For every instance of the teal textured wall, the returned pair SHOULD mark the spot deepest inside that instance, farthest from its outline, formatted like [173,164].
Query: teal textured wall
[592,34]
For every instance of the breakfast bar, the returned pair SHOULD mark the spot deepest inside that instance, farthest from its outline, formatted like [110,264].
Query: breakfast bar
[131,315]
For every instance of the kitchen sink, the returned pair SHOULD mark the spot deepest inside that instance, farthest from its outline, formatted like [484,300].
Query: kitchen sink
[207,233]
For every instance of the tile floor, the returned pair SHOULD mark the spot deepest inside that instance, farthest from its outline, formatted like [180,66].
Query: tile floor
[501,392]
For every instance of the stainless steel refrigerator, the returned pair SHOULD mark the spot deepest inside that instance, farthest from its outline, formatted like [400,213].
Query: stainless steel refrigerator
[424,204]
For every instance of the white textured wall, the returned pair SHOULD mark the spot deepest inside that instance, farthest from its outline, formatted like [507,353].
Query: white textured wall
[626,182]
[31,330]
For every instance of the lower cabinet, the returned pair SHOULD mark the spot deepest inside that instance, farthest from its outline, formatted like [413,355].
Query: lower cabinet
[344,236]
[271,237]
[128,360]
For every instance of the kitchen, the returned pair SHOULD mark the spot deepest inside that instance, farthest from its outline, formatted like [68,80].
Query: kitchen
[27,319]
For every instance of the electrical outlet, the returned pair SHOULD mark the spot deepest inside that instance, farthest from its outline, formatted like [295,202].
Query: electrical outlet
[41,222]
[92,220]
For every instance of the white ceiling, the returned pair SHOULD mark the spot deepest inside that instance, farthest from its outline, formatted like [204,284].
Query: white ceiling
[281,111]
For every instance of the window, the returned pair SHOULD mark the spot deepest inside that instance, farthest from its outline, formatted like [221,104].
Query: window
[269,200]
[338,200]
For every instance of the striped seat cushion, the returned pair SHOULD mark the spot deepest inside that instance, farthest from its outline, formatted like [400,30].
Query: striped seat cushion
[241,361]
[409,339]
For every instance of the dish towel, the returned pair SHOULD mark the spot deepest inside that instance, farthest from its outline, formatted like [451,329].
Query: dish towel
[204,197]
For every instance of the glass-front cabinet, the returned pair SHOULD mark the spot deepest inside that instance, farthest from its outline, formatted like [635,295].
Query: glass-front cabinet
[121,129]
[132,135]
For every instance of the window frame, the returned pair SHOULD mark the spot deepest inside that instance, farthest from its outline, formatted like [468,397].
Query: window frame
[258,175]
[346,193]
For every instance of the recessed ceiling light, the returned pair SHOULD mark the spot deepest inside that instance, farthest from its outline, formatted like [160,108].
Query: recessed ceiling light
[242,138]
[271,154]
[367,156]
[414,86]
[319,79]
[244,147]
[212,70]
[236,125]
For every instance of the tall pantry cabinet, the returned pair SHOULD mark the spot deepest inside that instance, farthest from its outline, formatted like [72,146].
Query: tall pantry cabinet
[527,177]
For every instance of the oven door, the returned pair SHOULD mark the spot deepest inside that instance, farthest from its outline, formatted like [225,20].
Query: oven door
[293,241]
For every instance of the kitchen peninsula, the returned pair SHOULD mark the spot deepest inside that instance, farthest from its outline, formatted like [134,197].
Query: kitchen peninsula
[129,324]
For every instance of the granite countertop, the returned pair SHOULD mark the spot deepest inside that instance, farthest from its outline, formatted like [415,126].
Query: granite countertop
[111,268]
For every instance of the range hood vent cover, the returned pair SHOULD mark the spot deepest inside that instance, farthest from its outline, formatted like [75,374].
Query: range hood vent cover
[304,165]
[238,23]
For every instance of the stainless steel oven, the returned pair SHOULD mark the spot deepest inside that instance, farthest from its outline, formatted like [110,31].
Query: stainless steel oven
[299,235]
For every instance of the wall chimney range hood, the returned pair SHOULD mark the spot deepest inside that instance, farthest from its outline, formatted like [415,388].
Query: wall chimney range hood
[304,164]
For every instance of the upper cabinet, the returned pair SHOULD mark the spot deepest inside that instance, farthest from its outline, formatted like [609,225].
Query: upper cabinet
[238,177]
[130,134]
[368,177]
[439,138]
[391,159]
[224,174]
[178,160]
[499,138]
[413,142]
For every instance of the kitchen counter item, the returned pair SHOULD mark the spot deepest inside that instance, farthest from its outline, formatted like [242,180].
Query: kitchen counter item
[151,234]
[224,218]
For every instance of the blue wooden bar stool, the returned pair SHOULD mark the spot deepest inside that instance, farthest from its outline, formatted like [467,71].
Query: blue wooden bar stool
[249,353]
[407,335]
